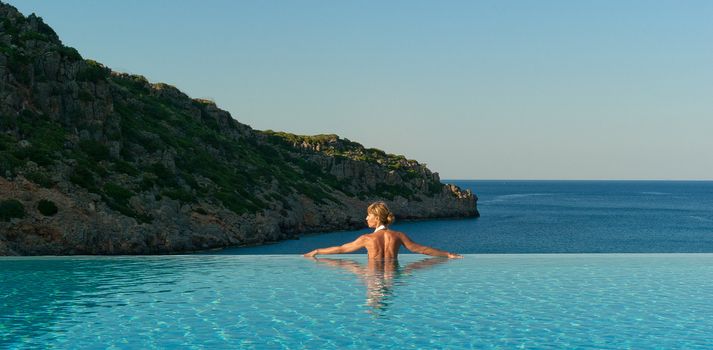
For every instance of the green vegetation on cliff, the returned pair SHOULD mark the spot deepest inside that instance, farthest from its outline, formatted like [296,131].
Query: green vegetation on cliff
[115,143]
[47,207]
[11,209]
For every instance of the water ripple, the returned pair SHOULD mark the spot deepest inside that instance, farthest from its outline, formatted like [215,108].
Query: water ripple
[255,302]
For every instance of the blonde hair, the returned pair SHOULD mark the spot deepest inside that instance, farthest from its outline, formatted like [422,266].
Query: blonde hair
[382,212]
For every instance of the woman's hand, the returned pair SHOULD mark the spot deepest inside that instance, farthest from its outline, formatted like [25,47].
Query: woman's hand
[311,254]
[454,256]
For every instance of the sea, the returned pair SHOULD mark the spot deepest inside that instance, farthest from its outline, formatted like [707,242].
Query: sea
[556,217]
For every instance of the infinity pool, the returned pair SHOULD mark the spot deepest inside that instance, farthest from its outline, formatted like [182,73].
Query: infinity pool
[279,302]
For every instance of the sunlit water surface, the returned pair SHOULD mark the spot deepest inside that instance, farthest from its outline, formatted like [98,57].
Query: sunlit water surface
[618,301]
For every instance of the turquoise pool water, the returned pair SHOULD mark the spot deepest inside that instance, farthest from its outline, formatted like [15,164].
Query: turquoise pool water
[616,301]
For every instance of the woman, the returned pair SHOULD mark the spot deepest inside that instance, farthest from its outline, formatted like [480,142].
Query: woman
[383,243]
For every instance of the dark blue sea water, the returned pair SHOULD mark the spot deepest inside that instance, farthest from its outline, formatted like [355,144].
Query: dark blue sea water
[558,217]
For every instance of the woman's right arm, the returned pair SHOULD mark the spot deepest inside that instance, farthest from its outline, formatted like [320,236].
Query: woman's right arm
[422,249]
[344,248]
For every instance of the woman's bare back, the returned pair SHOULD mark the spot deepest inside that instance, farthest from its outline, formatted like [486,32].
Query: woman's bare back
[383,244]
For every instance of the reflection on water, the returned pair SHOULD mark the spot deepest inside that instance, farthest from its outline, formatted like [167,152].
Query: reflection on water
[380,277]
[289,302]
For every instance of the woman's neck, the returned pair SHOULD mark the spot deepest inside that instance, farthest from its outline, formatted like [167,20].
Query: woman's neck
[380,227]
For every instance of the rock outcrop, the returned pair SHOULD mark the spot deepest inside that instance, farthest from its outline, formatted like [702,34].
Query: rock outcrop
[98,162]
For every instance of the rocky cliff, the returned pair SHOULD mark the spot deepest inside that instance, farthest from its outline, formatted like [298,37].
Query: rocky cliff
[98,162]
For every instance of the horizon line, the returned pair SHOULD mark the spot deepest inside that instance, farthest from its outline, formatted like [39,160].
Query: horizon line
[652,180]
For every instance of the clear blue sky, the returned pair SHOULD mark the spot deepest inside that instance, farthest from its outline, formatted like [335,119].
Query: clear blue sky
[476,89]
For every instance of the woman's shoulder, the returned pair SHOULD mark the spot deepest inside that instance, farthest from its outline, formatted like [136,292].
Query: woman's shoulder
[393,232]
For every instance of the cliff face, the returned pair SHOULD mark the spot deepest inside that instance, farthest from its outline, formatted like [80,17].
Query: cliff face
[98,162]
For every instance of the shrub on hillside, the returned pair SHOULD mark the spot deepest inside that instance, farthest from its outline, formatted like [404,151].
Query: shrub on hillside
[83,177]
[11,208]
[117,193]
[47,207]
[40,178]
[93,71]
